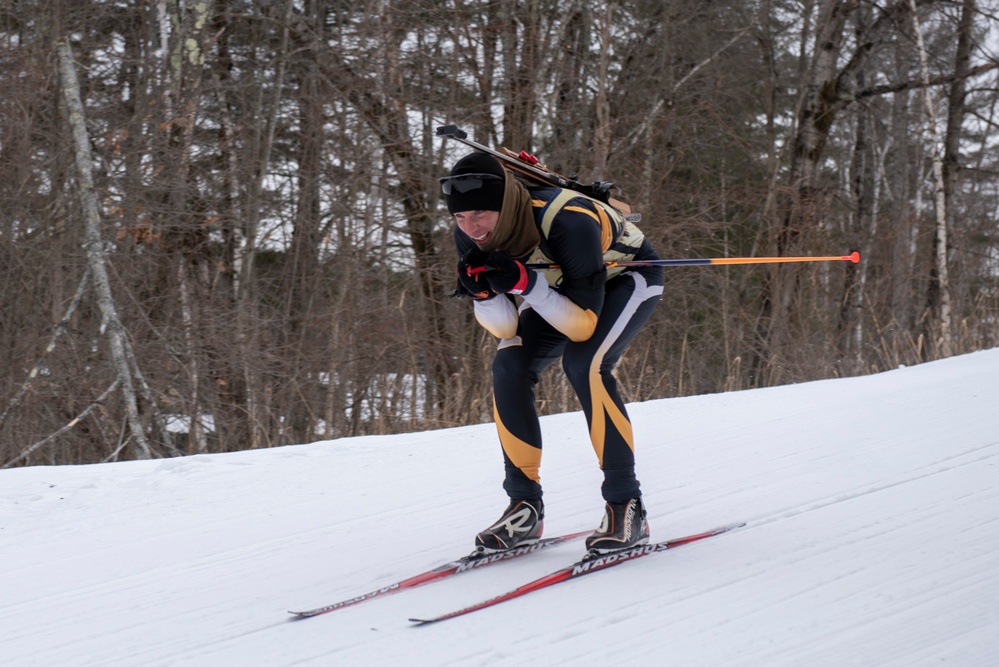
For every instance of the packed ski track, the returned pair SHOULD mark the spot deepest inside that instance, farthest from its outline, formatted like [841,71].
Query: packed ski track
[872,538]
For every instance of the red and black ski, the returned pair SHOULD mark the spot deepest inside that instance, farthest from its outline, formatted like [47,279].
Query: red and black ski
[581,567]
[471,562]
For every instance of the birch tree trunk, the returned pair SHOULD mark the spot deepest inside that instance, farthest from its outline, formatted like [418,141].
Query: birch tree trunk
[940,287]
[94,245]
[951,167]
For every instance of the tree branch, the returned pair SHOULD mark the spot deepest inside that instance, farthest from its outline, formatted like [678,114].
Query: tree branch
[59,329]
[915,85]
[28,451]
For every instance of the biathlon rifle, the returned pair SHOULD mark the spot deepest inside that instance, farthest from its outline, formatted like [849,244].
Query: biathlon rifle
[528,165]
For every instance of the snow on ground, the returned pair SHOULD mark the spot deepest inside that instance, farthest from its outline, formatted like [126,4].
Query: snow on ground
[873,539]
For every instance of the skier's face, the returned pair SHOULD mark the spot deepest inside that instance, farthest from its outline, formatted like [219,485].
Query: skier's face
[478,225]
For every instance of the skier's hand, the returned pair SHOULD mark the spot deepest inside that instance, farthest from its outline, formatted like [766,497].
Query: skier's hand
[471,276]
[506,274]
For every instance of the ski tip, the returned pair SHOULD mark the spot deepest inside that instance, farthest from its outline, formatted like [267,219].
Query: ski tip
[731,526]
[421,621]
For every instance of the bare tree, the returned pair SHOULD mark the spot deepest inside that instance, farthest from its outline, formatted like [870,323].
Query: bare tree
[94,245]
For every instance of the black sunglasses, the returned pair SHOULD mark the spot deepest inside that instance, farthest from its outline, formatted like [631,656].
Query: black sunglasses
[466,182]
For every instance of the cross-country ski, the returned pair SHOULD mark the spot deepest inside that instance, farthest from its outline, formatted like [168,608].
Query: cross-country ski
[581,567]
[468,563]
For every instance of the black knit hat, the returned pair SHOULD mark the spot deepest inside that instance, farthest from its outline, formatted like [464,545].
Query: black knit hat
[476,183]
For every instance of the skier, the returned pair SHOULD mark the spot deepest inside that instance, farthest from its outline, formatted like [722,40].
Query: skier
[583,313]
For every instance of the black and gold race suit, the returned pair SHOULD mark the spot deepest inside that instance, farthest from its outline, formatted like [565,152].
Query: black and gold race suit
[584,313]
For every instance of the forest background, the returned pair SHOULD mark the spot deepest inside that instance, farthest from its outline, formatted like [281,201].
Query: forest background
[221,226]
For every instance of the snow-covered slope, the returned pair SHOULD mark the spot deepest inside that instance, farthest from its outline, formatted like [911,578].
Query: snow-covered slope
[873,539]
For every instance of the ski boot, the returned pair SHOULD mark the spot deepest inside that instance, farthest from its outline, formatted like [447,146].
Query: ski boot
[521,524]
[624,526]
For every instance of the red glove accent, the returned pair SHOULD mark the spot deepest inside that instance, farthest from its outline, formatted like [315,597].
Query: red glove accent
[522,281]
[506,274]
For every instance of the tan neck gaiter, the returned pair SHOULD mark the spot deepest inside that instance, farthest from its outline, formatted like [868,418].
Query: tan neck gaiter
[515,230]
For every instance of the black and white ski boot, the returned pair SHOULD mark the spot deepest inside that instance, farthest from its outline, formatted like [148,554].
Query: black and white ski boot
[624,526]
[521,524]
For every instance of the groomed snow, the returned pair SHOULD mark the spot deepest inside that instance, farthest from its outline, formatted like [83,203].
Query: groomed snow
[873,539]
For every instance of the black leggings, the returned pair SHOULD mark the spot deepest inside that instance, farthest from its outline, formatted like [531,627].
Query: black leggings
[630,299]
